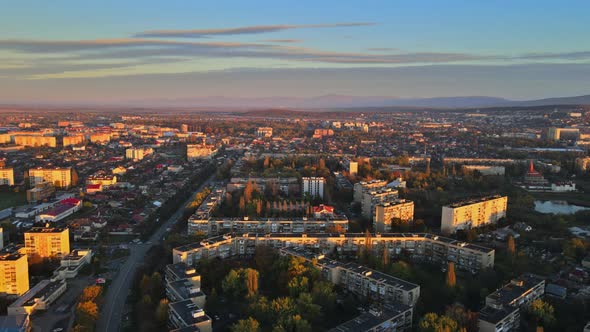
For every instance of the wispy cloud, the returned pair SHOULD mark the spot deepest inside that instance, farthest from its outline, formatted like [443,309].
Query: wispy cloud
[282,40]
[61,58]
[254,29]
[382,49]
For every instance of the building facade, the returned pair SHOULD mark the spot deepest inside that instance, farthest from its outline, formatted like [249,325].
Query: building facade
[14,272]
[502,309]
[47,242]
[313,186]
[6,176]
[373,197]
[34,141]
[59,177]
[418,246]
[473,213]
[386,212]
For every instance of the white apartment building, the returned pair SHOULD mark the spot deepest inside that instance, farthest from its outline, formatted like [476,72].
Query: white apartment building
[314,186]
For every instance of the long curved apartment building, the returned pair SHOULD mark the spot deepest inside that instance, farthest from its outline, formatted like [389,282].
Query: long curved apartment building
[420,246]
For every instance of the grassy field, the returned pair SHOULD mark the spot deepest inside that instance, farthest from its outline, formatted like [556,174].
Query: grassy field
[11,199]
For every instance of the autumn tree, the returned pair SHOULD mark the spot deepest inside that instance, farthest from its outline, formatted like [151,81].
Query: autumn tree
[385,257]
[368,241]
[246,325]
[252,281]
[242,205]
[162,312]
[511,246]
[451,277]
[432,322]
[542,312]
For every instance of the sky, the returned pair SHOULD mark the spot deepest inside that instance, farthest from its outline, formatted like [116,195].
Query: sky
[111,51]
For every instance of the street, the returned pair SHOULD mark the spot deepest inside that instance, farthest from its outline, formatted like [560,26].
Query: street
[118,291]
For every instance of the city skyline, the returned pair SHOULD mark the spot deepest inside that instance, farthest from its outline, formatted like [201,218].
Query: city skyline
[121,52]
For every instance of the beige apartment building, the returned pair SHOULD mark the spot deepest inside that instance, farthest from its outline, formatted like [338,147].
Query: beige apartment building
[59,177]
[385,212]
[34,141]
[419,246]
[14,273]
[41,191]
[73,140]
[473,213]
[6,176]
[47,242]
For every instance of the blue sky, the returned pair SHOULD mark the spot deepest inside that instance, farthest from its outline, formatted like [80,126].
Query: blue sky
[81,50]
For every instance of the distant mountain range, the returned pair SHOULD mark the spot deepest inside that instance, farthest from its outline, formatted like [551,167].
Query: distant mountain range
[325,102]
[343,101]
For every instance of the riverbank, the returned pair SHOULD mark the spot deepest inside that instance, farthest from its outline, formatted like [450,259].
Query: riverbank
[573,198]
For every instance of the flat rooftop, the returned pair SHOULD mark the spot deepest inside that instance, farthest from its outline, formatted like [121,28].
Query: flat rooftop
[374,236]
[515,289]
[371,319]
[41,290]
[184,309]
[380,277]
[473,201]
[47,229]
[182,271]
[495,315]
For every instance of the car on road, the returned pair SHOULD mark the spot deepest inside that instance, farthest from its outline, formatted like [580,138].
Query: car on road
[57,329]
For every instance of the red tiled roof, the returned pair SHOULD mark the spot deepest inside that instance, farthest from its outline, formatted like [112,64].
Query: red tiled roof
[323,208]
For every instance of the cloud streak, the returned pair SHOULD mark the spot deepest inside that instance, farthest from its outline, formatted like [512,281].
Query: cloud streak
[245,30]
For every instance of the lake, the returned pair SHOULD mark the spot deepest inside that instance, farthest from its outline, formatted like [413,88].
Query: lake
[558,207]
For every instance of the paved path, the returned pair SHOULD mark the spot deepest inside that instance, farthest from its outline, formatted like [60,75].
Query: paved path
[112,309]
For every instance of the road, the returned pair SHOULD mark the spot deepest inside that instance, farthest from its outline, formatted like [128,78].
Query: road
[110,316]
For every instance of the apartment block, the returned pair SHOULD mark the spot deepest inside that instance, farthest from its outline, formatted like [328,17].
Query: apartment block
[60,177]
[6,176]
[187,314]
[215,226]
[184,283]
[138,153]
[14,272]
[41,192]
[502,310]
[73,140]
[102,178]
[100,137]
[264,131]
[373,197]
[47,242]
[387,318]
[418,246]
[361,187]
[556,134]
[199,151]
[473,213]
[386,212]
[35,141]
[313,186]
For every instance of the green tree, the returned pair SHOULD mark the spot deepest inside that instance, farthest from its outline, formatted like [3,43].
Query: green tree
[292,323]
[232,284]
[298,285]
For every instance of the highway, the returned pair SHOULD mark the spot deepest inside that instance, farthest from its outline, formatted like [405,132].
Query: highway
[118,291]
